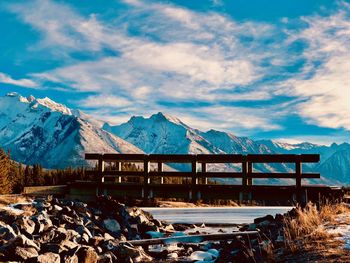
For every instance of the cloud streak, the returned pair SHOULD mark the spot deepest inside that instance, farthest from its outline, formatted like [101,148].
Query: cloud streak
[27,83]
[159,52]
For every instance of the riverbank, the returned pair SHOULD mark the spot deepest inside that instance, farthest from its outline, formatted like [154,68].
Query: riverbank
[52,230]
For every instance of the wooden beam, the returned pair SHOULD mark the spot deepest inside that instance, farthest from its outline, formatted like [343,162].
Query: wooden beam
[92,156]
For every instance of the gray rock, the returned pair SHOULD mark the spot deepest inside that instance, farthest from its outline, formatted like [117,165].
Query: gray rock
[82,229]
[49,257]
[111,225]
[6,232]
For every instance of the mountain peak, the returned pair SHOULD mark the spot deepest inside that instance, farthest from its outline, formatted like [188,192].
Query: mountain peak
[31,98]
[165,117]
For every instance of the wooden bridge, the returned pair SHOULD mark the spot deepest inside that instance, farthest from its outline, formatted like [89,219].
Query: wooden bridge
[151,183]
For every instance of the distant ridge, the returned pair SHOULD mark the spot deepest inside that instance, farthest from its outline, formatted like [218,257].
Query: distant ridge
[46,132]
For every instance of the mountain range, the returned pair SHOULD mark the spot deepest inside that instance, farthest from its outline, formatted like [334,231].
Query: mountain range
[46,132]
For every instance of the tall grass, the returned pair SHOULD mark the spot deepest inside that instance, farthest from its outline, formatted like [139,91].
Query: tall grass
[307,227]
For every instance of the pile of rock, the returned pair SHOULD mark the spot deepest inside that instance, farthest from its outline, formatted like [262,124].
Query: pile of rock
[52,230]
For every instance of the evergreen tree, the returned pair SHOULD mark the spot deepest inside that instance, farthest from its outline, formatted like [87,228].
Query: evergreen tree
[5,168]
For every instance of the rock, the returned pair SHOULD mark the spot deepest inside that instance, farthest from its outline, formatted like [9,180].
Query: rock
[7,217]
[169,228]
[96,241]
[108,257]
[82,229]
[279,218]
[203,256]
[251,227]
[42,222]
[264,218]
[111,225]
[49,257]
[108,236]
[6,232]
[264,224]
[173,256]
[157,222]
[25,224]
[24,253]
[87,255]
[57,208]
[23,241]
[52,247]
[137,254]
[85,238]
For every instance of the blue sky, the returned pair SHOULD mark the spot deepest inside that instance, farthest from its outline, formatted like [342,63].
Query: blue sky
[260,68]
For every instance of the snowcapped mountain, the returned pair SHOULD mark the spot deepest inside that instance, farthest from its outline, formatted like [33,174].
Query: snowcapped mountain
[162,133]
[46,132]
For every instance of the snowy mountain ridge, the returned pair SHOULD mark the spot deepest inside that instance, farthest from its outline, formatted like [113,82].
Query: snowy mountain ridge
[44,131]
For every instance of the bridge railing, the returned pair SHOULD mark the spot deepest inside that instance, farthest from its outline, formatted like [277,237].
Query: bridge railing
[246,162]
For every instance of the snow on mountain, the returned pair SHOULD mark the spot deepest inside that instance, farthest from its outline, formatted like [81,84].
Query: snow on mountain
[46,132]
[43,131]
[161,133]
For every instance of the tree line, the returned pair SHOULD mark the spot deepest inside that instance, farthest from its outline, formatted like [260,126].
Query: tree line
[15,176]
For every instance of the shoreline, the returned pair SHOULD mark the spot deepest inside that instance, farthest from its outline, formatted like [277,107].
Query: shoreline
[96,229]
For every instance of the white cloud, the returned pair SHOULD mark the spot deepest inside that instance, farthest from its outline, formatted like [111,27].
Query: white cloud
[105,100]
[220,61]
[4,78]
[326,87]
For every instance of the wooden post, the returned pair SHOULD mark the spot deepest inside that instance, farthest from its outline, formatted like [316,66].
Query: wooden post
[160,169]
[118,167]
[298,171]
[299,194]
[250,171]
[146,180]
[244,180]
[244,172]
[194,183]
[204,170]
[101,168]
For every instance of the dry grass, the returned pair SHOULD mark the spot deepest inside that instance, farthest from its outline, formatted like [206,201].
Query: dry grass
[306,238]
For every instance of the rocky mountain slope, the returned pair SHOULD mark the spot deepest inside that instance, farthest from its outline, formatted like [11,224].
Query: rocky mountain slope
[46,132]
[43,131]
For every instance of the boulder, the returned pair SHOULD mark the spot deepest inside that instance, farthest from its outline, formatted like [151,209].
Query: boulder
[23,241]
[137,254]
[49,257]
[25,253]
[264,218]
[25,224]
[82,229]
[111,225]
[108,257]
[87,255]
[6,232]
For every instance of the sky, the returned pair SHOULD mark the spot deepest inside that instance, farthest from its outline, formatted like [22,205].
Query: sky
[261,68]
